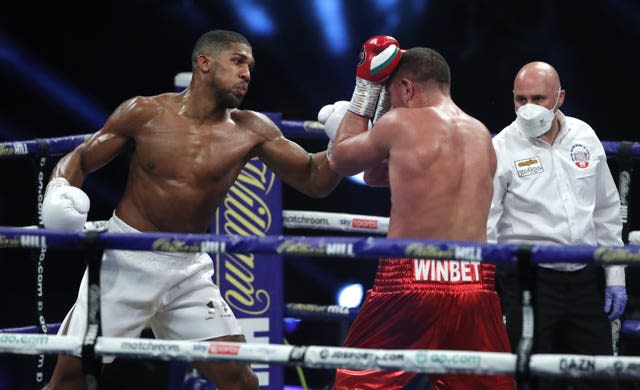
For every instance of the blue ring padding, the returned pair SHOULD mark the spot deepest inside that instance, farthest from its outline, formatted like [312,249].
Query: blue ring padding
[318,312]
[290,128]
[51,329]
[62,145]
[351,247]
[318,246]
[631,327]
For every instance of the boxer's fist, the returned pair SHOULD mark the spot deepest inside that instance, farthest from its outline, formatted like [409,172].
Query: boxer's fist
[379,57]
[64,207]
[331,116]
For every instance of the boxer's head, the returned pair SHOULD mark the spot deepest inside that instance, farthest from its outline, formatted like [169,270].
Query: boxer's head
[418,70]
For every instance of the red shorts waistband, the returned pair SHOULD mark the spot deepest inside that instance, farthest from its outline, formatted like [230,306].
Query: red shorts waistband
[428,274]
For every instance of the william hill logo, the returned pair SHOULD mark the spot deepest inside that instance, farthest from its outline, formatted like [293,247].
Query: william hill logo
[615,255]
[303,249]
[9,242]
[245,213]
[427,252]
[170,245]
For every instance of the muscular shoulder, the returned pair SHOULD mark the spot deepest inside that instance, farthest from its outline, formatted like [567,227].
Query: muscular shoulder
[396,119]
[257,123]
[434,120]
[142,105]
[135,112]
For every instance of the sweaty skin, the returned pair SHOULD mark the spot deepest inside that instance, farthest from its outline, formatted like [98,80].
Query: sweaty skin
[189,149]
[438,161]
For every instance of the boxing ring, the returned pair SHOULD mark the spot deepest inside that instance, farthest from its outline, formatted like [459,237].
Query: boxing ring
[366,246]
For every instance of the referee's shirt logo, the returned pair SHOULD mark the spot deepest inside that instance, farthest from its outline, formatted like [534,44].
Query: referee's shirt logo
[529,166]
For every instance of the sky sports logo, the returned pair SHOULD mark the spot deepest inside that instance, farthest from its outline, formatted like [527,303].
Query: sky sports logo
[222,349]
[364,223]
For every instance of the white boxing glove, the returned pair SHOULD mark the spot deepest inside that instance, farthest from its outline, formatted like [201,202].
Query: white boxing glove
[64,207]
[331,116]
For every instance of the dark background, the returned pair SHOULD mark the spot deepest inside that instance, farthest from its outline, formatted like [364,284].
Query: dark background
[64,66]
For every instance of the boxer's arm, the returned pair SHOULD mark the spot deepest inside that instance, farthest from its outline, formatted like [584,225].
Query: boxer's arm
[65,206]
[307,172]
[377,176]
[104,145]
[356,150]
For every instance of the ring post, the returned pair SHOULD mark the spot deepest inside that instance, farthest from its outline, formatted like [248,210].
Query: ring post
[624,158]
[252,284]
[91,365]
[523,351]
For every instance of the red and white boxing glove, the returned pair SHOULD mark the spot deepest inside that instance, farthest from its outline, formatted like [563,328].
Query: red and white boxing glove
[379,57]
[64,207]
[384,104]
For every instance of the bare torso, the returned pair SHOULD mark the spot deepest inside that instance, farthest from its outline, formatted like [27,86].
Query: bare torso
[187,154]
[182,165]
[441,167]
[181,170]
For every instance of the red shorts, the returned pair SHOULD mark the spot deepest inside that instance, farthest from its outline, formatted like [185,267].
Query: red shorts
[429,304]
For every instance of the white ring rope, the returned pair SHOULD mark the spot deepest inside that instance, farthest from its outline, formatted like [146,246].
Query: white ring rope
[585,366]
[297,219]
[308,356]
[427,361]
[300,219]
[34,344]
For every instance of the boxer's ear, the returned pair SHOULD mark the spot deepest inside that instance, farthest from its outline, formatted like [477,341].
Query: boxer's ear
[205,63]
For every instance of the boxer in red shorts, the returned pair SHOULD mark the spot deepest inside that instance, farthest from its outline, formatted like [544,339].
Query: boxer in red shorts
[429,312]
[439,163]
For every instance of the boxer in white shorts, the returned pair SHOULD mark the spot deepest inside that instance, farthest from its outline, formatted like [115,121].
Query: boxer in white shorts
[182,302]
[186,151]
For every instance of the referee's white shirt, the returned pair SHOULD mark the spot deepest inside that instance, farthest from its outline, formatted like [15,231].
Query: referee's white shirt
[560,194]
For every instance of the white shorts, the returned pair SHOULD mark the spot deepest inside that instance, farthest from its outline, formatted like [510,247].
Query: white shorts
[173,293]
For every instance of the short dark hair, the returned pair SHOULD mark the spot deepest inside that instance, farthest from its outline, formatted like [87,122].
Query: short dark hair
[421,64]
[212,42]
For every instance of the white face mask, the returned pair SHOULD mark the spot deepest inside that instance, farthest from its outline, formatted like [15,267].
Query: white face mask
[535,120]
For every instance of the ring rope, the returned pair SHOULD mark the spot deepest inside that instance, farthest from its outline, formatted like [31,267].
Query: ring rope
[290,128]
[301,219]
[333,248]
[309,356]
[418,360]
[62,145]
[325,312]
[343,247]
